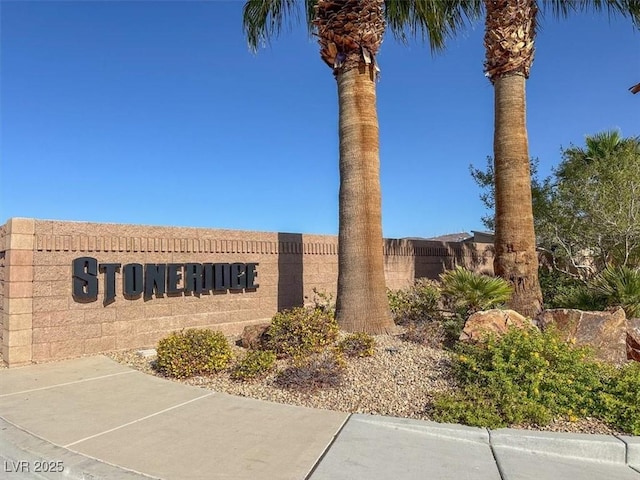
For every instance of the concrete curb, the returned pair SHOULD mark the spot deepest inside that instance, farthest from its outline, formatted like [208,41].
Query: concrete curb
[600,448]
[442,430]
[633,451]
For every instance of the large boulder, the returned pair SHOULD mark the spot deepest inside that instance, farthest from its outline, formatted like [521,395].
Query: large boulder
[492,321]
[605,332]
[633,339]
[255,336]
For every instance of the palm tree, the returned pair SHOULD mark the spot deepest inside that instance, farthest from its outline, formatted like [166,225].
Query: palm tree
[509,42]
[350,34]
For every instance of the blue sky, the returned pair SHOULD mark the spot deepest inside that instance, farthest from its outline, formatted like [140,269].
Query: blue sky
[157,113]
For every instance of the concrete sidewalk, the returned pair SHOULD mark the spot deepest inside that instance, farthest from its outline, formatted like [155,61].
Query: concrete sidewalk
[97,419]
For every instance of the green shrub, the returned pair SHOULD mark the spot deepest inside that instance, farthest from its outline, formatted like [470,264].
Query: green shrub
[524,377]
[193,352]
[619,286]
[315,371]
[620,400]
[432,334]
[416,303]
[323,301]
[301,331]
[473,292]
[557,287]
[358,344]
[582,298]
[613,287]
[469,407]
[254,364]
[453,326]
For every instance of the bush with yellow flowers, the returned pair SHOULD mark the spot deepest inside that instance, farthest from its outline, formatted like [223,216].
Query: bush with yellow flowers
[527,376]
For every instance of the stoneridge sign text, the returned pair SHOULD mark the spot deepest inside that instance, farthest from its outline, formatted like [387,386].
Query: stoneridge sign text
[159,279]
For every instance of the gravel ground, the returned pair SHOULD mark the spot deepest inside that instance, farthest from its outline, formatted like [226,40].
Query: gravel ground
[399,381]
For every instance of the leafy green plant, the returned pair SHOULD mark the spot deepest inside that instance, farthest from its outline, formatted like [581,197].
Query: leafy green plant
[555,285]
[473,292]
[193,352]
[317,370]
[582,298]
[357,344]
[620,399]
[469,407]
[619,286]
[254,364]
[524,377]
[301,331]
[323,301]
[432,334]
[452,326]
[419,302]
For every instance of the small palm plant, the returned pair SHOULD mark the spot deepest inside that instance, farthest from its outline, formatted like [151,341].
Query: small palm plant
[620,286]
[473,292]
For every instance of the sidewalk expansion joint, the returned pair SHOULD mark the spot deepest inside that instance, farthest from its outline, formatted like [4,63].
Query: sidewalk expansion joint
[626,449]
[67,383]
[328,448]
[495,458]
[139,420]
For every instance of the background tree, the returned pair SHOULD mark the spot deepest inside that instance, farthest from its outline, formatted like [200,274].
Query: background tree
[485,180]
[509,43]
[587,214]
[350,34]
[593,210]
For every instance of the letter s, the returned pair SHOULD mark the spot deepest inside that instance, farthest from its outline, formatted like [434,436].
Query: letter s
[85,279]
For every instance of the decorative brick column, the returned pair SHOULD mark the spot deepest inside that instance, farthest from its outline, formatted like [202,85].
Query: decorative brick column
[17,302]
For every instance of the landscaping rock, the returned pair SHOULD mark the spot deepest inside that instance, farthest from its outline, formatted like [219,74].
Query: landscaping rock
[633,339]
[604,331]
[633,324]
[255,336]
[492,321]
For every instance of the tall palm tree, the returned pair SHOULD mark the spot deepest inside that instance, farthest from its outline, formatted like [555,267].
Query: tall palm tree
[509,42]
[350,34]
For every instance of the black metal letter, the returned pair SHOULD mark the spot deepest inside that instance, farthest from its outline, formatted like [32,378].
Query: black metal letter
[238,278]
[85,279]
[207,277]
[109,270]
[155,278]
[193,278]
[251,276]
[174,275]
[222,277]
[132,279]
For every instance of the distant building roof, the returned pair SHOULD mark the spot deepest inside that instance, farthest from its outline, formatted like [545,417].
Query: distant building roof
[452,237]
[473,237]
[481,237]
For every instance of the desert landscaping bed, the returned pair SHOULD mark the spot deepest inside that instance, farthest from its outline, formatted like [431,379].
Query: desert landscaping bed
[399,381]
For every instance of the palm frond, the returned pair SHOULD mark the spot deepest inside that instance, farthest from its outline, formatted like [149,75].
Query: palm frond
[473,291]
[432,20]
[263,20]
[620,286]
[624,8]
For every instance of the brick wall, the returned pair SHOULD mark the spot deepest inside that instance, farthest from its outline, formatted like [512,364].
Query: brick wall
[3,229]
[41,320]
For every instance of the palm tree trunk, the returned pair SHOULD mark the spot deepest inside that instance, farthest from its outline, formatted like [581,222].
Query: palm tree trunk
[361,303]
[516,259]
